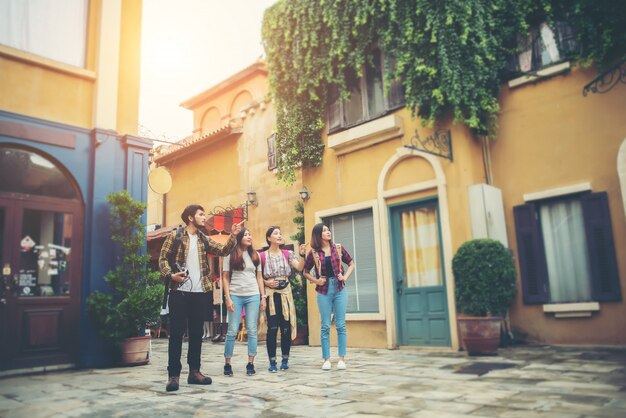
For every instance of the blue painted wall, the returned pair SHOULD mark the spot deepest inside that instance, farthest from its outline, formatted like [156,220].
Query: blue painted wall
[102,162]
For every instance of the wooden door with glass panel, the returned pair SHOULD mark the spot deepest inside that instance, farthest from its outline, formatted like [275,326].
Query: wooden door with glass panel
[40,254]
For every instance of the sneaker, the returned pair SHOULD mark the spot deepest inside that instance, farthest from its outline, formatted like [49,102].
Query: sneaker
[250,369]
[272,368]
[326,365]
[284,365]
[341,365]
[228,370]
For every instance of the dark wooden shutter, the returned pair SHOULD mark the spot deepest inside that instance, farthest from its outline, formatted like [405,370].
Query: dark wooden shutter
[601,248]
[532,256]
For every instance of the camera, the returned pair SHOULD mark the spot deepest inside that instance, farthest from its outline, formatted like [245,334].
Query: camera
[179,269]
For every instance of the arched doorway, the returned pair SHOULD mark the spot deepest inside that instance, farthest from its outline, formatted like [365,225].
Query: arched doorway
[41,225]
[416,238]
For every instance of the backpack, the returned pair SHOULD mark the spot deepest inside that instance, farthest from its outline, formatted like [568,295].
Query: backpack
[281,283]
[316,258]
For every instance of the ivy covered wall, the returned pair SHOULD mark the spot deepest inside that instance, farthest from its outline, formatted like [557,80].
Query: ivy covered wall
[450,56]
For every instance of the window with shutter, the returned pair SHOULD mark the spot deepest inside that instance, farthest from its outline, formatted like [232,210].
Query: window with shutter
[272,163]
[531,255]
[566,250]
[368,97]
[604,274]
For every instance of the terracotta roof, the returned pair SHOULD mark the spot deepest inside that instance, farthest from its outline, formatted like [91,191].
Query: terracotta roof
[190,143]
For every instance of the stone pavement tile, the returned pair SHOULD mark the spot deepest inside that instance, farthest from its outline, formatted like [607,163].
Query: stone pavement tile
[487,397]
[389,410]
[436,395]
[310,407]
[577,385]
[503,412]
[438,414]
[6,403]
[31,412]
[450,406]
[313,391]
[365,416]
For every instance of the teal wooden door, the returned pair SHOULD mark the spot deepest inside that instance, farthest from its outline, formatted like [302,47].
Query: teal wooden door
[419,281]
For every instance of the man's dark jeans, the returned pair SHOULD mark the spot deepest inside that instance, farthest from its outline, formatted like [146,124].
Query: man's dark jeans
[187,311]
[273,323]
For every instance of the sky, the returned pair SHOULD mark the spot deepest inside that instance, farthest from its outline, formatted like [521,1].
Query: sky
[187,47]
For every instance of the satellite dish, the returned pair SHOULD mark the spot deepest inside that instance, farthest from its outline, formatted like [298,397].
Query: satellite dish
[160,180]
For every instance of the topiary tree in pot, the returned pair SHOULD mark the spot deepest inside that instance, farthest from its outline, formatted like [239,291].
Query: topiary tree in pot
[136,292]
[485,284]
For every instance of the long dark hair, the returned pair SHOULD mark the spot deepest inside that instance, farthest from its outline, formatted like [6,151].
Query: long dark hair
[316,236]
[236,257]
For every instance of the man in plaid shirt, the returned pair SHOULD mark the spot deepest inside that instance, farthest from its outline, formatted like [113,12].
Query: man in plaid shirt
[188,291]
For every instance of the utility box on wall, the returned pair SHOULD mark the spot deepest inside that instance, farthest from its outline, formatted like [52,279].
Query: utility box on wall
[487,213]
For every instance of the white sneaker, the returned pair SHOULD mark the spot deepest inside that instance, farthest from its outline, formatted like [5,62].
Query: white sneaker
[326,365]
[341,365]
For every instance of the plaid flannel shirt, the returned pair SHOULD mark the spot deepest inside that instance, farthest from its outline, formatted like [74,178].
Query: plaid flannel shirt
[309,263]
[215,248]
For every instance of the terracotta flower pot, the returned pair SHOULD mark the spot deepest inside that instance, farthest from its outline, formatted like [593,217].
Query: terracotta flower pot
[480,335]
[135,351]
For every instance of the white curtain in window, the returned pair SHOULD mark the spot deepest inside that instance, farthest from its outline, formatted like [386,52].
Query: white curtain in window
[565,243]
[420,240]
[54,29]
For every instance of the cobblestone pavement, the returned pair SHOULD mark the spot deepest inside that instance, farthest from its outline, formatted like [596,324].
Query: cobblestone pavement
[525,381]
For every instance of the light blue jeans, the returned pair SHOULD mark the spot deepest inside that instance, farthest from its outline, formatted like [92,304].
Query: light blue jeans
[335,301]
[252,305]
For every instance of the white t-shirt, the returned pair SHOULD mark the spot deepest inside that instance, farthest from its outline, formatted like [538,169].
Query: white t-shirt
[243,282]
[194,284]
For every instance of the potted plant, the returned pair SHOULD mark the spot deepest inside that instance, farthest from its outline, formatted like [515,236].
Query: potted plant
[136,292]
[297,288]
[485,277]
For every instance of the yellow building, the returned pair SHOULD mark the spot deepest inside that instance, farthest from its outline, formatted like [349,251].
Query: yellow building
[402,211]
[69,98]
[229,160]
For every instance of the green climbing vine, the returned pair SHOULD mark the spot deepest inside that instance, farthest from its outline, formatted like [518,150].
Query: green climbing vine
[449,55]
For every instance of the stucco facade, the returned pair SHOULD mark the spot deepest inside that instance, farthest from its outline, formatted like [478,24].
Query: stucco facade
[81,120]
[552,137]
[226,157]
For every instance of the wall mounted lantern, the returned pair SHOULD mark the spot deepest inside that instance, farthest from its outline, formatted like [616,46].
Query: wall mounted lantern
[252,198]
[305,194]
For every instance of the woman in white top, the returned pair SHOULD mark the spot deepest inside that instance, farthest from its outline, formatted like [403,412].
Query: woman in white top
[243,288]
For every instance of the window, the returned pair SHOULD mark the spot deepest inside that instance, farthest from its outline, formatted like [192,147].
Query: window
[566,250]
[368,99]
[355,231]
[545,45]
[272,164]
[50,28]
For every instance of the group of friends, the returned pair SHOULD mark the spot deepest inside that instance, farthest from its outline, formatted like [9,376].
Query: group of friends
[257,282]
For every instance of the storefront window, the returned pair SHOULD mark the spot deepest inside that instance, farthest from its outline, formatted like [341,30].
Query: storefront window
[25,172]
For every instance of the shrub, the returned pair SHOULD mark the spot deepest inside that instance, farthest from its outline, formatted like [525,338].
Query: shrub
[136,291]
[485,278]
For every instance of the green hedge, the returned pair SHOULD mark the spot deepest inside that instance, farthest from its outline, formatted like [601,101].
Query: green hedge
[485,278]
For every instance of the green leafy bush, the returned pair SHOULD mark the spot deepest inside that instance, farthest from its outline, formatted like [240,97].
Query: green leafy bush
[485,277]
[298,286]
[136,291]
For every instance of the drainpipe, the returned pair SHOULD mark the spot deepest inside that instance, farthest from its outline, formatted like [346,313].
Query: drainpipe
[486,151]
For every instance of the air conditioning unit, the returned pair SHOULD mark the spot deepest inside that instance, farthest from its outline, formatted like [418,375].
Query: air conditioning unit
[487,213]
